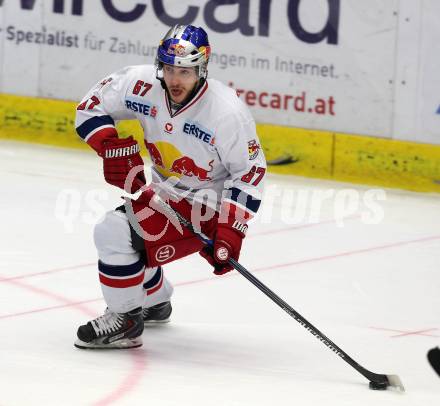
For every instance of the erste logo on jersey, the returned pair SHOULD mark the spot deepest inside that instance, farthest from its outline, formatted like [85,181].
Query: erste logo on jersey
[197,131]
[143,108]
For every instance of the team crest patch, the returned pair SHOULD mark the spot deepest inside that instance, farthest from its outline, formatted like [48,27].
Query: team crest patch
[253,149]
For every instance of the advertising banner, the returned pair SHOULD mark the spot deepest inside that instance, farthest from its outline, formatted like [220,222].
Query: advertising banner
[317,64]
[428,97]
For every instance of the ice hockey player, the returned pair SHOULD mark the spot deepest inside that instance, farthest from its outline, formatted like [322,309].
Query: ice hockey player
[207,164]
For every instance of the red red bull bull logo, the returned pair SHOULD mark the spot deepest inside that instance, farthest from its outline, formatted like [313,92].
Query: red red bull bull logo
[186,166]
[170,162]
[176,49]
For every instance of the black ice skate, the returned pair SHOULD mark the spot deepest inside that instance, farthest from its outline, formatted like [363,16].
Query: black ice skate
[112,330]
[159,313]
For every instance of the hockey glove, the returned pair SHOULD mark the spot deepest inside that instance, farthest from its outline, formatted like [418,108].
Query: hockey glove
[227,244]
[120,157]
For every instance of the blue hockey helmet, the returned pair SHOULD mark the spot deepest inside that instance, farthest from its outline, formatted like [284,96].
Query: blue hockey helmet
[185,46]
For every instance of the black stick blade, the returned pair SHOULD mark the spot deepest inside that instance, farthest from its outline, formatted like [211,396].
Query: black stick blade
[387,381]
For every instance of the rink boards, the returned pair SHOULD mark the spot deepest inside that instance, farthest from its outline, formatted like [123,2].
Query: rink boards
[310,153]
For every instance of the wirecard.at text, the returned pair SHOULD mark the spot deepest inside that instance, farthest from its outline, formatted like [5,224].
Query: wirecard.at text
[300,103]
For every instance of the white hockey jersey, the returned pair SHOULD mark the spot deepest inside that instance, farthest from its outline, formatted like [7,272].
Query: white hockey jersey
[209,148]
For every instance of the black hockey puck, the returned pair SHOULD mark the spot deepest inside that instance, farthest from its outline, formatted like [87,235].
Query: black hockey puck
[378,385]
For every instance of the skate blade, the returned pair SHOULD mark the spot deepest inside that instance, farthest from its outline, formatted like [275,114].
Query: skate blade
[153,322]
[119,344]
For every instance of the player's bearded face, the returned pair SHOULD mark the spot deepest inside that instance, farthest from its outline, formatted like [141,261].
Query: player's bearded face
[180,82]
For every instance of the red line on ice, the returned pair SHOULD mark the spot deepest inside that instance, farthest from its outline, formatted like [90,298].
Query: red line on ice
[58,298]
[134,376]
[300,226]
[131,380]
[45,309]
[229,275]
[407,333]
[56,270]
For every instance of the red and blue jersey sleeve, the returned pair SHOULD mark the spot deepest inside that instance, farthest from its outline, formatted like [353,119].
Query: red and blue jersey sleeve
[241,153]
[102,106]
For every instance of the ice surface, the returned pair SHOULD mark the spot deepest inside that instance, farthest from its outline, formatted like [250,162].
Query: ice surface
[372,288]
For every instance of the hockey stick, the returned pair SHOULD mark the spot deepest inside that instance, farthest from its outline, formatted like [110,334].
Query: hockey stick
[282,160]
[377,381]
